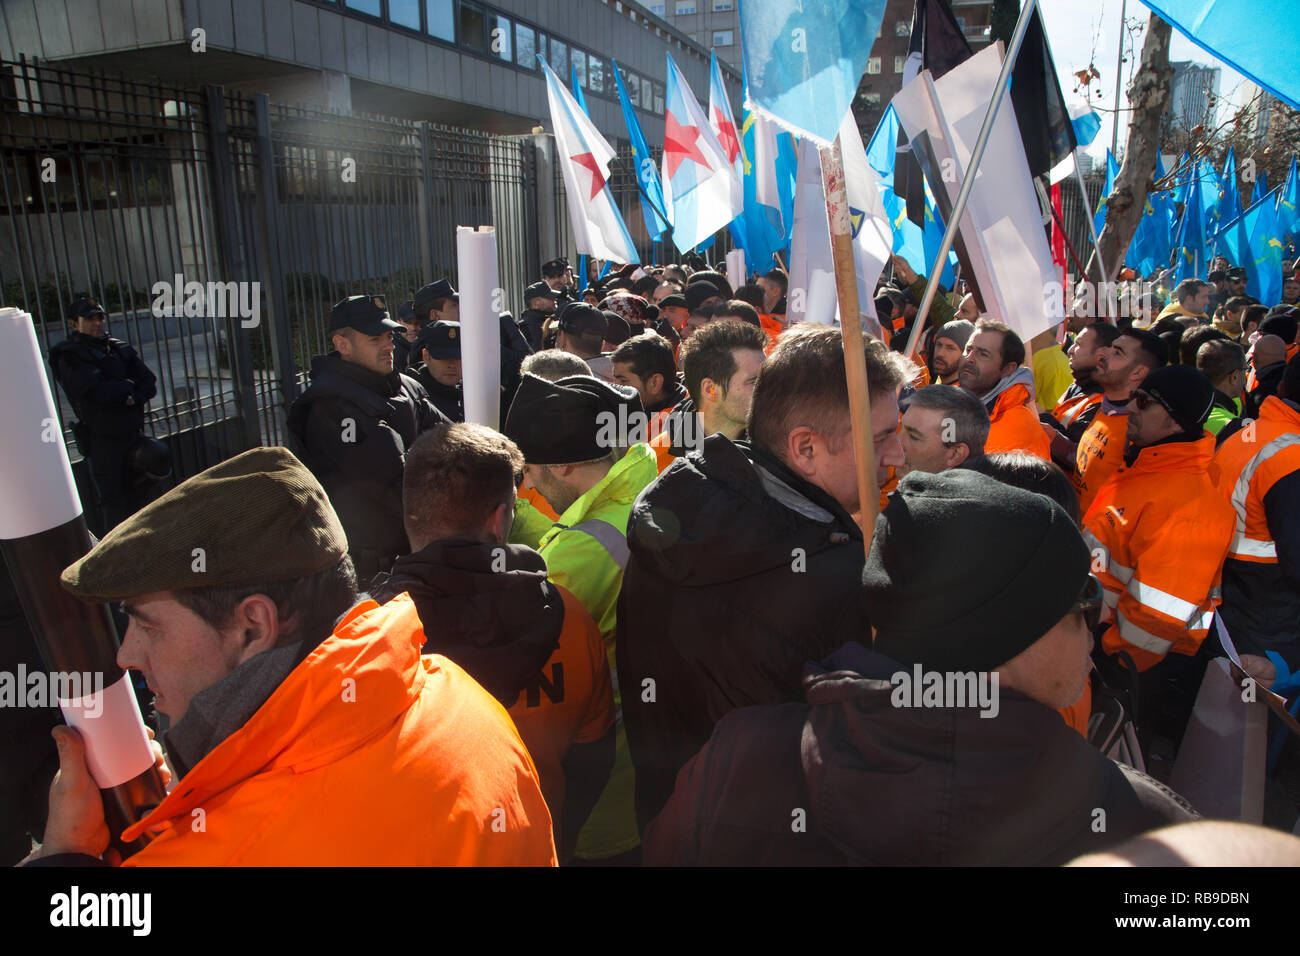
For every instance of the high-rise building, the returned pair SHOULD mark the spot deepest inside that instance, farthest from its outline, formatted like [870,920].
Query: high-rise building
[713,24]
[1193,96]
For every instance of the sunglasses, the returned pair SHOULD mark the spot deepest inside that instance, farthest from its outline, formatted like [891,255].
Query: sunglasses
[1090,603]
[1141,400]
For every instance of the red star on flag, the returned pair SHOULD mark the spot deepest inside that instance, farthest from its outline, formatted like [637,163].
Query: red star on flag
[679,144]
[727,135]
[588,161]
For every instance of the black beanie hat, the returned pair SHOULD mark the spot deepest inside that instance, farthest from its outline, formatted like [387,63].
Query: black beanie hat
[966,572]
[567,421]
[698,292]
[1281,324]
[1185,393]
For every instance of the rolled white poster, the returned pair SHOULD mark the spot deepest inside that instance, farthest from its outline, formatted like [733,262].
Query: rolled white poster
[481,301]
[736,268]
[37,490]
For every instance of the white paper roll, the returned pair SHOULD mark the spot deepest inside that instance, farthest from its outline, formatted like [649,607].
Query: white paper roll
[481,302]
[736,268]
[37,491]
[117,747]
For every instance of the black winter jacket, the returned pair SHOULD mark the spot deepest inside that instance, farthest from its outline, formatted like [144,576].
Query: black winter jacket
[448,399]
[740,572]
[360,466]
[99,375]
[900,786]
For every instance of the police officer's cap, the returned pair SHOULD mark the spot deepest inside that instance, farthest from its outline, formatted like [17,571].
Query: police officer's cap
[441,339]
[431,293]
[539,289]
[579,318]
[555,267]
[406,311]
[256,518]
[83,308]
[368,314]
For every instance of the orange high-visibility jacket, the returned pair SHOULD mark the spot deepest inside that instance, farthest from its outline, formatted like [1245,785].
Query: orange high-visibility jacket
[1247,466]
[1161,529]
[1100,453]
[1068,411]
[366,755]
[1013,426]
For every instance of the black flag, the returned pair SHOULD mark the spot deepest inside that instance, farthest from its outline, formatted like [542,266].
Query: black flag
[1041,114]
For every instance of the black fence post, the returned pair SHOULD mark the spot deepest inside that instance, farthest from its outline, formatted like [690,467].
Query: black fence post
[279,321]
[225,204]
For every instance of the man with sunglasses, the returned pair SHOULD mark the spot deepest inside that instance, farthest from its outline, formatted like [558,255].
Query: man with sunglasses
[1161,531]
[865,774]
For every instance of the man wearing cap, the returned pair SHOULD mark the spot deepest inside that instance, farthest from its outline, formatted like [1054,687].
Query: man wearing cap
[540,304]
[304,730]
[574,434]
[871,770]
[438,348]
[559,277]
[742,553]
[1159,531]
[439,302]
[702,293]
[949,344]
[108,386]
[1257,470]
[582,333]
[353,425]
[674,309]
[404,353]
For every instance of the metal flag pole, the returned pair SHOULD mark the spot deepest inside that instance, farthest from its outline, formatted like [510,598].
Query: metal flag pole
[1092,229]
[977,154]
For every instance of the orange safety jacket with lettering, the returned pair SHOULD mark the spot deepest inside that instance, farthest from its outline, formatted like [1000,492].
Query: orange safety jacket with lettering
[1013,426]
[1159,531]
[1100,452]
[367,754]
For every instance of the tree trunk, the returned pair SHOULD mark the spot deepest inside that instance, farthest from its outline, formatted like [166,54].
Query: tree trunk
[1149,97]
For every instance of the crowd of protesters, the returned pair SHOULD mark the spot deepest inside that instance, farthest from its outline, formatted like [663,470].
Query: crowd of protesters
[647,618]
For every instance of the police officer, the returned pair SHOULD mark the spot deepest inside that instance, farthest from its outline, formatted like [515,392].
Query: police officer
[439,346]
[559,277]
[540,304]
[353,426]
[108,386]
[404,353]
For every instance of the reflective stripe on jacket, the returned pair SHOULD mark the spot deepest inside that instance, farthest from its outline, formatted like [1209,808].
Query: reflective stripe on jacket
[1247,466]
[1159,532]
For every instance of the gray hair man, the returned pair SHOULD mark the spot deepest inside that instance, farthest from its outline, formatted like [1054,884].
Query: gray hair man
[943,427]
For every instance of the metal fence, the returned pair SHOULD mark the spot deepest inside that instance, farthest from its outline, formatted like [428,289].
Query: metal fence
[123,189]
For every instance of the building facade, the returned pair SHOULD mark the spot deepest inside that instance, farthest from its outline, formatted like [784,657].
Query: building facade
[711,23]
[1193,96]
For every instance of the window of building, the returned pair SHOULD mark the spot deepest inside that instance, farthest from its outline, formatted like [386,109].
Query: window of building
[499,37]
[579,61]
[684,7]
[873,65]
[441,19]
[659,99]
[595,75]
[722,38]
[898,64]
[871,99]
[902,28]
[559,59]
[647,95]
[657,9]
[473,24]
[364,6]
[405,13]
[525,50]
[633,84]
[722,6]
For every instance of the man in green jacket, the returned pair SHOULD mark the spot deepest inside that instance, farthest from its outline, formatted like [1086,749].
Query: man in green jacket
[1224,364]
[584,449]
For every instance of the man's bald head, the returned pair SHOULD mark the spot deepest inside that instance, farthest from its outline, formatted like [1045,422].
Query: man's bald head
[1269,350]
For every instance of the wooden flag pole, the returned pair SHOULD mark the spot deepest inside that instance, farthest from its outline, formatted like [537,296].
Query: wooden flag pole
[855,360]
[963,195]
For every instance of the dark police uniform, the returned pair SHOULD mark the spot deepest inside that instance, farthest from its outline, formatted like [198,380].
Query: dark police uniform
[554,269]
[108,386]
[530,320]
[440,340]
[352,428]
[404,354]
